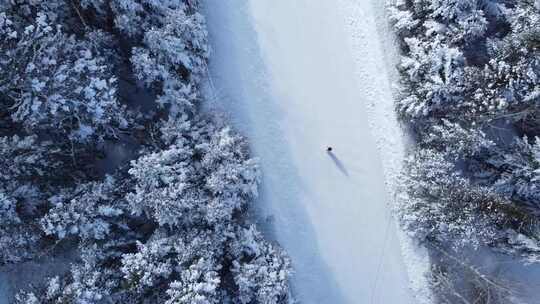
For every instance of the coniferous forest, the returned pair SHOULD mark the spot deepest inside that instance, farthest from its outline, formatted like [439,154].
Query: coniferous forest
[109,163]
[470,96]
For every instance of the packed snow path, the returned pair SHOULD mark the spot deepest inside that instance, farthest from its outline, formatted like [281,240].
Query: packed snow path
[287,73]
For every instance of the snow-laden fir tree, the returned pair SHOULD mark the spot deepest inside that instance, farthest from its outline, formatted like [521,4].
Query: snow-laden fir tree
[54,82]
[27,165]
[86,211]
[443,208]
[204,178]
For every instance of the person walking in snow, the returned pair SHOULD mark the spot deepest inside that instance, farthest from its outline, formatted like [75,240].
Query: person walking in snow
[329,149]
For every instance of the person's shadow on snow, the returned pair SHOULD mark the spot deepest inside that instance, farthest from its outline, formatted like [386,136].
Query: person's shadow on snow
[338,163]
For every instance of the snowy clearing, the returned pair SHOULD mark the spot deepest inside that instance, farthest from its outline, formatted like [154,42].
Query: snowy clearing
[296,77]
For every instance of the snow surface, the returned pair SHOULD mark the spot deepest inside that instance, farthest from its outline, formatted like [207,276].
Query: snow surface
[376,55]
[5,290]
[296,77]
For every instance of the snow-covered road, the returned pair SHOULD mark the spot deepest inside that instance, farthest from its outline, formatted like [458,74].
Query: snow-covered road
[294,78]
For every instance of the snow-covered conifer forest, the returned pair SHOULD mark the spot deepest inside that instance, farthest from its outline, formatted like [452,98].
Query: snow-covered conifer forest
[470,96]
[116,187]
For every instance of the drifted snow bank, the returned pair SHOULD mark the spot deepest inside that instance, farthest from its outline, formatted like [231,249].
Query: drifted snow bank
[294,77]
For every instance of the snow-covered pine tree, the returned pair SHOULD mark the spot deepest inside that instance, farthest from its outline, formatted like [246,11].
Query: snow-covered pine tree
[439,206]
[86,283]
[87,211]
[173,58]
[206,174]
[51,81]
[440,76]
[261,271]
[432,80]
[456,141]
[27,179]
[515,172]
